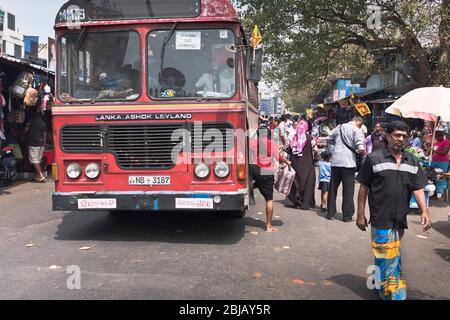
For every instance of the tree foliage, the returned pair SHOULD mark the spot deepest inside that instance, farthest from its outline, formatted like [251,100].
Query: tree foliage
[309,42]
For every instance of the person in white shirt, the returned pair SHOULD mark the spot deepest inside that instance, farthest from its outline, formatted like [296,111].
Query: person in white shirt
[205,83]
[282,128]
[364,130]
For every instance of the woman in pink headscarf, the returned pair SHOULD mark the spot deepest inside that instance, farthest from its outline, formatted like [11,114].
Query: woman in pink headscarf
[303,189]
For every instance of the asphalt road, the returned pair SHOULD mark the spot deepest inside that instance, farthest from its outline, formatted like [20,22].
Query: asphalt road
[201,256]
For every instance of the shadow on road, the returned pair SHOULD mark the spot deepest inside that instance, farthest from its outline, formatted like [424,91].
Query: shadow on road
[261,224]
[359,286]
[285,203]
[356,284]
[208,228]
[443,253]
[7,186]
[438,204]
[2,192]
[338,216]
[443,227]
[414,294]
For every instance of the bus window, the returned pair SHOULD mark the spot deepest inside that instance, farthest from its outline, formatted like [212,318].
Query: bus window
[195,64]
[100,66]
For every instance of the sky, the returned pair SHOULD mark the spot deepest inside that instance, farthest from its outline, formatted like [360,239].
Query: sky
[34,17]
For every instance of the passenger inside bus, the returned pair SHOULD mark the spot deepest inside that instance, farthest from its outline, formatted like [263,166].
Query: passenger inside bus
[220,83]
[172,83]
[227,78]
[205,83]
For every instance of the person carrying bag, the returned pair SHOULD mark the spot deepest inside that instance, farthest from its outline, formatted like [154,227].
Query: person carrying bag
[284,180]
[359,157]
[343,166]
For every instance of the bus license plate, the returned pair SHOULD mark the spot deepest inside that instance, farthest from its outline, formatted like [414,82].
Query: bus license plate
[97,204]
[148,181]
[191,203]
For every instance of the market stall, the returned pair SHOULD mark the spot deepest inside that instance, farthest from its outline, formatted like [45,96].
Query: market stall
[24,86]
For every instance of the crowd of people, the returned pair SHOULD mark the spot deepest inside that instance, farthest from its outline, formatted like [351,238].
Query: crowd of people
[374,160]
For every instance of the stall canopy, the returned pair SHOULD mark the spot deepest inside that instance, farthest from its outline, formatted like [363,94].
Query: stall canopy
[11,61]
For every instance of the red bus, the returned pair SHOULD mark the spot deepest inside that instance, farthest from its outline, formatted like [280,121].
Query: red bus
[154,100]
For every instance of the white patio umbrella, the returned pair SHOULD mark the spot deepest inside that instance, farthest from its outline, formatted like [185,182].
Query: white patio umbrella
[429,103]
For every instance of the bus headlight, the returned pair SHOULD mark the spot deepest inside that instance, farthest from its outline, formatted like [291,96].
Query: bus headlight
[202,171]
[222,170]
[92,171]
[74,171]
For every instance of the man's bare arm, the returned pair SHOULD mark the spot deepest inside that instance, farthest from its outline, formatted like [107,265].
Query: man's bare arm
[361,221]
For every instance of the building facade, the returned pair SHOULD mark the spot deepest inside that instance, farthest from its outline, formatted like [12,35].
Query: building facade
[11,40]
[271,102]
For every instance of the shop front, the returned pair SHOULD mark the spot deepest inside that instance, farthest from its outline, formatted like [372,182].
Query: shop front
[25,89]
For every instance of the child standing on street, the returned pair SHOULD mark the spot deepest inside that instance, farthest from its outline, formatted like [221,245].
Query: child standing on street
[324,178]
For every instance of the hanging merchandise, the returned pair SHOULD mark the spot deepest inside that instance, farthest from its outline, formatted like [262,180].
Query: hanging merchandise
[22,83]
[2,101]
[47,100]
[2,105]
[31,97]
[2,97]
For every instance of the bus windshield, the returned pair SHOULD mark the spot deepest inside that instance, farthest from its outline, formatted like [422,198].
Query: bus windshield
[99,66]
[191,64]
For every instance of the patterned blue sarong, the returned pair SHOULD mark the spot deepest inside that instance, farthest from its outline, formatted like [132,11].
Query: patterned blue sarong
[386,249]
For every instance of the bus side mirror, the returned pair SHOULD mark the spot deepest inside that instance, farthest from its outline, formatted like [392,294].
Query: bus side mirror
[254,64]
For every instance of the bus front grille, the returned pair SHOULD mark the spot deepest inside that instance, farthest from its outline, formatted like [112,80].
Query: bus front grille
[81,139]
[143,146]
[214,137]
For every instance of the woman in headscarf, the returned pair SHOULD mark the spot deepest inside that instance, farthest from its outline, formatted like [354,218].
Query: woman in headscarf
[302,192]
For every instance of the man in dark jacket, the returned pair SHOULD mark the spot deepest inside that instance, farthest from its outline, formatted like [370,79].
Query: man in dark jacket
[36,137]
[389,177]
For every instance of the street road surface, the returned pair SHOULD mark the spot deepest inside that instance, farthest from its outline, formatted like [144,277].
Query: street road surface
[201,256]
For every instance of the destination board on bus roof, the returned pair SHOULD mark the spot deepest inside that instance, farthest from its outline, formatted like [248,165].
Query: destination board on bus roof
[85,10]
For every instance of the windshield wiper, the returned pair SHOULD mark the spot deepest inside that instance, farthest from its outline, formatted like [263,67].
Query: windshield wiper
[149,8]
[163,49]
[81,37]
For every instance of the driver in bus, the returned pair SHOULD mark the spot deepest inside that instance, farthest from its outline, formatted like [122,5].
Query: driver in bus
[227,77]
[223,83]
[114,81]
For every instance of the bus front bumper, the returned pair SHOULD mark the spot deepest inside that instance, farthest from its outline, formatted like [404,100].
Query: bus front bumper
[114,201]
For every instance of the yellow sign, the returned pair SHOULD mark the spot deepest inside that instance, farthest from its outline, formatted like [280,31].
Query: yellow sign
[363,109]
[256,37]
